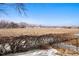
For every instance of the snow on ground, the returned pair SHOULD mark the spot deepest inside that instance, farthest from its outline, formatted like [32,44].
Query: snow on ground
[37,52]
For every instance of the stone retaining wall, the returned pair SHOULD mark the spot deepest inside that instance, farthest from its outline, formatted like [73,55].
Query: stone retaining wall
[25,43]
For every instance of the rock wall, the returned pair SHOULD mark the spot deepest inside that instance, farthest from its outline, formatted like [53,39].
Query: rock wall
[25,42]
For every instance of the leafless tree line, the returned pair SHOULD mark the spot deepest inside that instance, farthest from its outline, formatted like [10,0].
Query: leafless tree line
[6,24]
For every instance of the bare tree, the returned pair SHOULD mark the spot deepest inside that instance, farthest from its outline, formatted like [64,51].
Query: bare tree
[13,25]
[19,7]
[3,24]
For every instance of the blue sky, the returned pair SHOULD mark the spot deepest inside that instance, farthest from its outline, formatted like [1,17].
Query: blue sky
[59,14]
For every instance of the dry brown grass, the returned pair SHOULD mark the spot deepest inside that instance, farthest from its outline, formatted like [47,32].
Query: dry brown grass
[66,52]
[74,42]
[35,31]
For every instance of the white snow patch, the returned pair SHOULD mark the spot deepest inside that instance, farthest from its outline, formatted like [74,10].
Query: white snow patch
[7,47]
[38,52]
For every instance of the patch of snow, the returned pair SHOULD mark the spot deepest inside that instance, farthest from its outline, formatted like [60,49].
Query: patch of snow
[23,42]
[7,47]
[76,34]
[67,46]
[37,52]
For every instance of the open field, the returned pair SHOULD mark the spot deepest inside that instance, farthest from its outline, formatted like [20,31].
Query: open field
[36,31]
